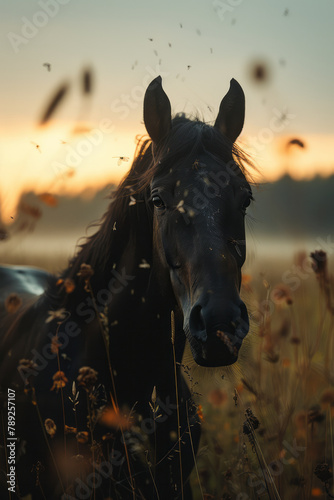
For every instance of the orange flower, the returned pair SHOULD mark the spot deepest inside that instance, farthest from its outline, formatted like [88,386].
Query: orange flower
[246,279]
[59,380]
[245,282]
[69,285]
[200,413]
[317,492]
[114,418]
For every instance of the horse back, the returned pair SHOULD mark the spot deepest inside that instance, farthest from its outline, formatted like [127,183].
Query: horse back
[20,288]
[24,281]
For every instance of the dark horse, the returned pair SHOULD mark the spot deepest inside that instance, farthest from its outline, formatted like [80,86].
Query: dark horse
[164,266]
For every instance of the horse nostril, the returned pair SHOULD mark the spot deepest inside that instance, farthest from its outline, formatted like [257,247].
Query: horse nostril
[197,324]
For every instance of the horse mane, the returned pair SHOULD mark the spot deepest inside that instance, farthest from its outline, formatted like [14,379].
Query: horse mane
[123,221]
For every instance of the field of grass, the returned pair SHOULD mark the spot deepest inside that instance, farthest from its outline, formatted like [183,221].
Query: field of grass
[267,421]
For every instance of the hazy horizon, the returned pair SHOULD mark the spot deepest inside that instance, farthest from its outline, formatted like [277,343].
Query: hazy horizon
[278,53]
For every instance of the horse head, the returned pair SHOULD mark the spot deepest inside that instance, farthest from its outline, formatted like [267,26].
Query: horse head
[200,196]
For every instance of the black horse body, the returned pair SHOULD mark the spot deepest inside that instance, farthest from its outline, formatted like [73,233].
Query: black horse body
[172,240]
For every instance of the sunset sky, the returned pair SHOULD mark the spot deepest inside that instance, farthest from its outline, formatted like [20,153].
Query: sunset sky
[196,46]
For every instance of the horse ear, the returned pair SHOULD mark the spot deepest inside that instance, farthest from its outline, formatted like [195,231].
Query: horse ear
[230,119]
[157,111]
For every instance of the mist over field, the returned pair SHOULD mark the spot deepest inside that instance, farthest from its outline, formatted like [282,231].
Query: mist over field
[286,216]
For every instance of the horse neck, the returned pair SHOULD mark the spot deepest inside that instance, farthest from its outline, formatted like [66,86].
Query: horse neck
[129,283]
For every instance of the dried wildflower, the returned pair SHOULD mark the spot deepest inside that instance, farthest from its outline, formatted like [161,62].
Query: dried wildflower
[154,395]
[59,380]
[70,430]
[251,423]
[12,303]
[144,264]
[50,427]
[319,263]
[281,294]
[86,271]
[87,377]
[108,436]
[225,339]
[69,285]
[217,397]
[27,369]
[82,437]
[55,344]
[323,472]
[75,396]
[179,207]
[59,314]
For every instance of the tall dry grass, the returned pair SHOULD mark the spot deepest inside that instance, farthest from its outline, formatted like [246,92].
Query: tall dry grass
[267,422]
[285,381]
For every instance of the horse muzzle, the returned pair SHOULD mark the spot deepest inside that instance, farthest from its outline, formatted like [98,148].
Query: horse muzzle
[216,332]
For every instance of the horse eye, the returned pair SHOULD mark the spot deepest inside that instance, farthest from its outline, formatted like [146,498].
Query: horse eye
[157,202]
